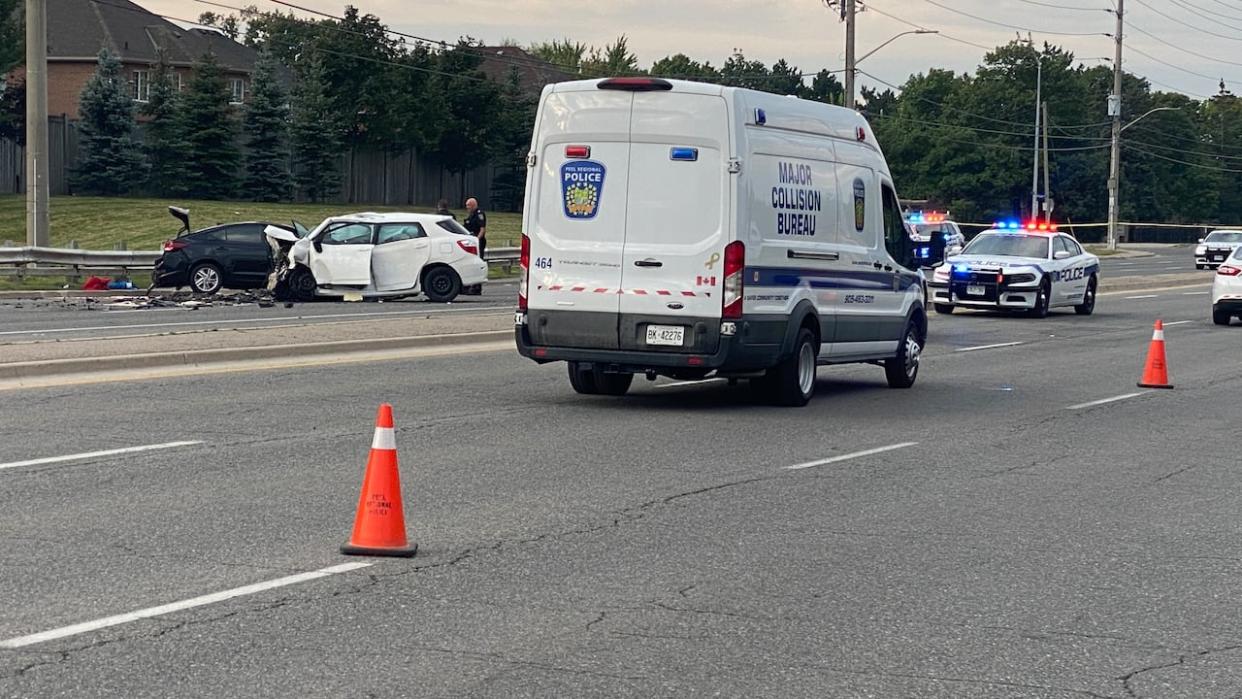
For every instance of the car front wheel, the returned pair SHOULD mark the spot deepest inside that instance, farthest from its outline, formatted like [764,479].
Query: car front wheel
[206,278]
[302,285]
[1087,307]
[1043,300]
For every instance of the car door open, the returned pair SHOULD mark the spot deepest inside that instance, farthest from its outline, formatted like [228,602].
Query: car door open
[342,255]
[401,251]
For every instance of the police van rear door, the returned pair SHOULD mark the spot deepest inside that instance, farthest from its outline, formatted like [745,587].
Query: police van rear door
[576,216]
[672,268]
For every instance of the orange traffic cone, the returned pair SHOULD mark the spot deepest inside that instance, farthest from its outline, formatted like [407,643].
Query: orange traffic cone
[1156,373]
[379,526]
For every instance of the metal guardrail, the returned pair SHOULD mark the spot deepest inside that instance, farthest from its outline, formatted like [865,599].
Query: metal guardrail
[46,262]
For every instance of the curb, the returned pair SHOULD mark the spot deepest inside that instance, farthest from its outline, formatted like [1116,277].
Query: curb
[193,358]
[1134,283]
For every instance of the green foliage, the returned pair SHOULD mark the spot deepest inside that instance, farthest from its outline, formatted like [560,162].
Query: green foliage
[266,127]
[163,144]
[209,127]
[13,112]
[108,162]
[615,59]
[682,66]
[12,36]
[472,107]
[315,132]
[564,53]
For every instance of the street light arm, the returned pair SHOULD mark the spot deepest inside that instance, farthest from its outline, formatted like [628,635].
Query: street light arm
[1157,109]
[886,43]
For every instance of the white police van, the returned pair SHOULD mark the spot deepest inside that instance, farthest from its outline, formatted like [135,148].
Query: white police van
[683,229]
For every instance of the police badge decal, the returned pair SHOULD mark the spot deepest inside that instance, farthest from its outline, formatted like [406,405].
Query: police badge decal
[582,185]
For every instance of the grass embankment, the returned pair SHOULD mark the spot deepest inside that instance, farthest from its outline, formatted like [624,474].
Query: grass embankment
[99,223]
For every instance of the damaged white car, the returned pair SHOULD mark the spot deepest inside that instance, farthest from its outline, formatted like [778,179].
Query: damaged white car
[378,256]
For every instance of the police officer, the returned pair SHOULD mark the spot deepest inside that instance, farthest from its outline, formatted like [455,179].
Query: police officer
[443,210]
[476,223]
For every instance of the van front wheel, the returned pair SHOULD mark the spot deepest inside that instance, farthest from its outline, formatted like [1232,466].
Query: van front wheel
[902,369]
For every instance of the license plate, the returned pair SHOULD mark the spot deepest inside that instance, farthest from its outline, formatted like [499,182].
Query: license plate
[975,290]
[670,335]
[1218,258]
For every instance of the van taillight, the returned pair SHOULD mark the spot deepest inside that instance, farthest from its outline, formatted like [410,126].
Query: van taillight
[734,267]
[524,282]
[635,84]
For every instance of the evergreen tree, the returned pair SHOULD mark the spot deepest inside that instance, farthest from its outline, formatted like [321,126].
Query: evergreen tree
[109,161]
[12,37]
[315,133]
[210,131]
[266,127]
[163,144]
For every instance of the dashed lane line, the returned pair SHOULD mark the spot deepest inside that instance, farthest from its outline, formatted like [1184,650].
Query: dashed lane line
[86,456]
[987,347]
[847,457]
[1103,401]
[149,612]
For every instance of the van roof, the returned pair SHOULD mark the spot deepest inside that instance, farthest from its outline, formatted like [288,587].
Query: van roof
[780,111]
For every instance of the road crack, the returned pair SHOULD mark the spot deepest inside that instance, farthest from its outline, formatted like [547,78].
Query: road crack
[1128,678]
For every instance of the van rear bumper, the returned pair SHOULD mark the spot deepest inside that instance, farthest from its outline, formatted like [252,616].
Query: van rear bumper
[757,345]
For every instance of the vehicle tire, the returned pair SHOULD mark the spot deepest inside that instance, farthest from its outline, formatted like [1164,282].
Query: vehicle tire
[610,384]
[792,382]
[582,379]
[902,369]
[943,309]
[206,278]
[441,284]
[1221,317]
[302,285]
[1042,302]
[1200,267]
[1087,307]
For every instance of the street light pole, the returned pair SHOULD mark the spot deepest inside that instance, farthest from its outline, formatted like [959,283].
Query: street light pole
[1114,110]
[853,63]
[37,178]
[1039,83]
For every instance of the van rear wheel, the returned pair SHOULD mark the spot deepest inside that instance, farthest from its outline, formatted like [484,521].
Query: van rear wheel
[792,382]
[592,382]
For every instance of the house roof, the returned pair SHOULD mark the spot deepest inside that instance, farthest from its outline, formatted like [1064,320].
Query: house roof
[78,29]
[533,72]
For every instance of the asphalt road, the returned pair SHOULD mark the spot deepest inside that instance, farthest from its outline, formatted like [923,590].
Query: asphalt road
[1024,543]
[41,319]
[1163,260]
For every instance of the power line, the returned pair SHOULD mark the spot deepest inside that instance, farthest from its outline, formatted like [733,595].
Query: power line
[1187,24]
[1200,12]
[872,8]
[1028,134]
[1012,26]
[1172,65]
[1066,7]
[1184,151]
[1179,48]
[1182,162]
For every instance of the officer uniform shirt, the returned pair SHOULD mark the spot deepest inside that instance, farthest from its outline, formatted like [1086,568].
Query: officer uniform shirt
[476,222]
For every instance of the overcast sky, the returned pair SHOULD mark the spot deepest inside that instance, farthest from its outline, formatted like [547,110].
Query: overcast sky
[809,35]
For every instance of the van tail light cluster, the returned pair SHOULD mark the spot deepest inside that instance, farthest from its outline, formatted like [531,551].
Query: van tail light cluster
[734,267]
[524,262]
[1229,270]
[471,247]
[174,245]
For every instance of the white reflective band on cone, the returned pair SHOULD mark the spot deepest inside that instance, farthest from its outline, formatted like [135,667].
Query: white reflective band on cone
[385,438]
[1158,335]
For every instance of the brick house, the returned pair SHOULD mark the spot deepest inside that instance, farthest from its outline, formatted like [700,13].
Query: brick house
[499,62]
[78,29]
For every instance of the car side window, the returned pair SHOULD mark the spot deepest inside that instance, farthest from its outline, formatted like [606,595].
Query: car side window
[394,232]
[1061,246]
[1073,246]
[209,235]
[348,234]
[896,240]
[250,233]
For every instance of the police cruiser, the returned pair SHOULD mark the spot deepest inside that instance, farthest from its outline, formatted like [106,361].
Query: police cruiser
[1010,266]
[924,225]
[683,229]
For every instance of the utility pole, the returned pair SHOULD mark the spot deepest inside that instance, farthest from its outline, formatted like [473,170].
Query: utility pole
[1039,84]
[1047,171]
[1114,111]
[850,11]
[36,124]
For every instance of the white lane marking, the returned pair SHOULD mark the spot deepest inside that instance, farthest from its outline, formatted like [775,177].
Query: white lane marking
[99,454]
[846,457]
[1178,322]
[1144,296]
[1195,293]
[984,347]
[88,626]
[238,321]
[686,383]
[1102,401]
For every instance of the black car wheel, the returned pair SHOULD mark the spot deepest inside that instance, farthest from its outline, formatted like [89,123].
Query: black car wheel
[1043,300]
[206,278]
[441,284]
[943,309]
[1087,307]
[1221,316]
